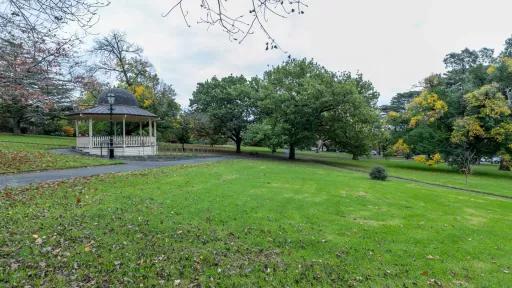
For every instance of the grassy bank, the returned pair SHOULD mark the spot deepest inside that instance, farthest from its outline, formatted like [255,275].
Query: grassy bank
[23,153]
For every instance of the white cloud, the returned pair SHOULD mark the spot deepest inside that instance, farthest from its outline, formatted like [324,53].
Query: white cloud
[393,43]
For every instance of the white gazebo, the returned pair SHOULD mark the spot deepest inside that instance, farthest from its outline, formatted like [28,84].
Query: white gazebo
[125,109]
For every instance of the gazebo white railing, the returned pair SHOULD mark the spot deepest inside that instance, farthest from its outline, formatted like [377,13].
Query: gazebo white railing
[119,141]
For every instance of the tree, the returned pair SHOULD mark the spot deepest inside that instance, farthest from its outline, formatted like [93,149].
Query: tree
[48,16]
[425,108]
[228,104]
[31,83]
[203,130]
[124,60]
[116,54]
[37,58]
[295,94]
[507,51]
[425,139]
[486,126]
[401,148]
[182,129]
[400,101]
[352,124]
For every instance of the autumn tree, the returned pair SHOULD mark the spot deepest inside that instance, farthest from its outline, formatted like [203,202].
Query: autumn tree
[115,56]
[486,126]
[31,83]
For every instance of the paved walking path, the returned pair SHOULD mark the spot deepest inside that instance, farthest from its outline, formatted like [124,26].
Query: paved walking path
[22,179]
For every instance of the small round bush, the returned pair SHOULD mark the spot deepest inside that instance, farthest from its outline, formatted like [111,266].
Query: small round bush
[378,173]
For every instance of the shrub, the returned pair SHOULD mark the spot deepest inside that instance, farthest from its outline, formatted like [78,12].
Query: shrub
[434,160]
[400,148]
[378,173]
[69,131]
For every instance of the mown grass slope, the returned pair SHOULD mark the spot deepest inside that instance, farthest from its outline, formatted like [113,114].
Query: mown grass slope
[252,223]
[22,153]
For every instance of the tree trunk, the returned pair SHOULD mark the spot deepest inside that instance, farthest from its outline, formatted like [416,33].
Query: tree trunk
[238,145]
[274,150]
[291,152]
[504,165]
[17,126]
[183,147]
[355,157]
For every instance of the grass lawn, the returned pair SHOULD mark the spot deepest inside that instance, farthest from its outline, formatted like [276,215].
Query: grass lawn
[20,153]
[246,223]
[485,177]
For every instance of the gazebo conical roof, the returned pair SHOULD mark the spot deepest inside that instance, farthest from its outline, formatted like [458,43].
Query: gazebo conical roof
[125,107]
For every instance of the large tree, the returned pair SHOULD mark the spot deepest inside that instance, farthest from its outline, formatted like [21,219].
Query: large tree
[117,56]
[228,104]
[295,95]
[352,125]
[31,83]
[486,126]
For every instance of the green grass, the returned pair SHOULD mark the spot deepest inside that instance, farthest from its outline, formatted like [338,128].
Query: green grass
[253,223]
[485,177]
[23,153]
[52,141]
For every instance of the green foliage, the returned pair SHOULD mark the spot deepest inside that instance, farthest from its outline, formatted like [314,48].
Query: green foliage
[425,139]
[182,129]
[462,111]
[295,94]
[400,101]
[352,124]
[378,173]
[228,105]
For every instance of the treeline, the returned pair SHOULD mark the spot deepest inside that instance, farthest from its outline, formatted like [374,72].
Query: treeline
[295,105]
[459,116]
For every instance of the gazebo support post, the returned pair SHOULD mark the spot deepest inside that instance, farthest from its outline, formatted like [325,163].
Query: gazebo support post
[154,144]
[150,129]
[77,133]
[124,132]
[140,128]
[90,133]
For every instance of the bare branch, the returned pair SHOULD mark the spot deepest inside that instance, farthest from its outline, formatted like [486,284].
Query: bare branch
[238,28]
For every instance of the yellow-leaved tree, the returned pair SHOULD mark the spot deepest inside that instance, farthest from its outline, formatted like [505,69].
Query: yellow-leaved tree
[401,148]
[425,108]
[487,125]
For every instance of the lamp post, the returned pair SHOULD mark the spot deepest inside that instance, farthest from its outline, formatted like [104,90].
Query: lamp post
[111,98]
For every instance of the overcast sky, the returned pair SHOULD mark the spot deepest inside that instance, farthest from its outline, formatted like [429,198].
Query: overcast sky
[394,43]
